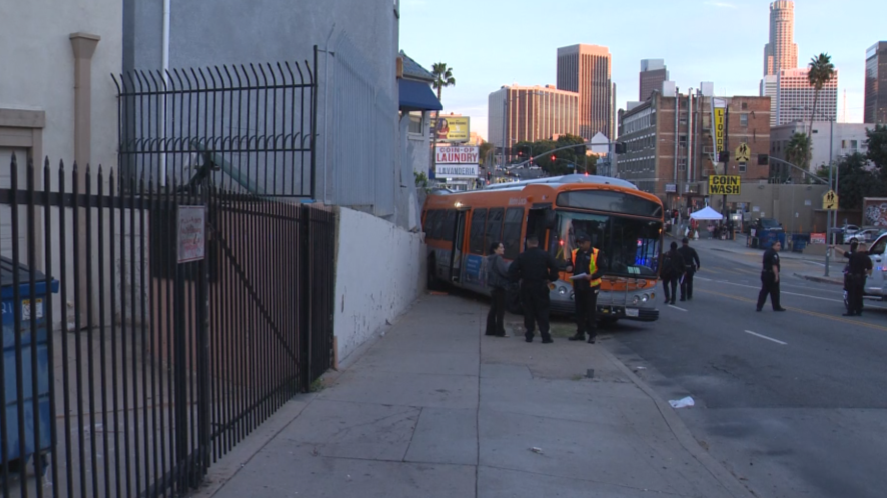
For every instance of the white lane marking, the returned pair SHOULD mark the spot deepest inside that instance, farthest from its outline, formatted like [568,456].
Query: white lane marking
[782,292]
[765,337]
[676,307]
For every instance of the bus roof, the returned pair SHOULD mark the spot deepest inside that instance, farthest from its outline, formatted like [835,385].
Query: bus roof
[543,189]
[575,178]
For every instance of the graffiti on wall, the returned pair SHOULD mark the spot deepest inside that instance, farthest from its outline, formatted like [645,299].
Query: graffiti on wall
[874,213]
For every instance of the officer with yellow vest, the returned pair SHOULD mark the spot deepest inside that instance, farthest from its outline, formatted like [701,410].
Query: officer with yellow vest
[587,282]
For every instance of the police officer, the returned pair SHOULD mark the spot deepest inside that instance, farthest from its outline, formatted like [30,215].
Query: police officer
[535,268]
[692,264]
[584,263]
[770,278]
[859,266]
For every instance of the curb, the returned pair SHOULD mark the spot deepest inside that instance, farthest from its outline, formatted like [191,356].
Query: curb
[730,482]
[823,280]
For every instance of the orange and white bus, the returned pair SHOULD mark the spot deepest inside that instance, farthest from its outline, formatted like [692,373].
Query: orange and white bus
[625,223]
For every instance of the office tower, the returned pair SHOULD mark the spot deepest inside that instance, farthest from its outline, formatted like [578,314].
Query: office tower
[530,113]
[651,77]
[874,86]
[586,69]
[795,97]
[780,51]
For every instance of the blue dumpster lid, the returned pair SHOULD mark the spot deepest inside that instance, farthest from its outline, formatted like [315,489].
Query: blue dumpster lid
[7,269]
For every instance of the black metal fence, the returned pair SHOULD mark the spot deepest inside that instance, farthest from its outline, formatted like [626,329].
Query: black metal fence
[156,313]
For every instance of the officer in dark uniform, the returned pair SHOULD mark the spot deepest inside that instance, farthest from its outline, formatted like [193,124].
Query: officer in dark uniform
[535,268]
[770,278]
[691,265]
[859,266]
[585,260]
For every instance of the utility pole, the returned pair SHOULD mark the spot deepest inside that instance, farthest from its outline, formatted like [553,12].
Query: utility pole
[727,159]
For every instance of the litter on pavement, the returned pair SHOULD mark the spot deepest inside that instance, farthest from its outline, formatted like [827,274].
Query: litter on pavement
[682,403]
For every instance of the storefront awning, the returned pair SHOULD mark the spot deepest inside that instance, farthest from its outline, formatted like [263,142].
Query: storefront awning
[416,96]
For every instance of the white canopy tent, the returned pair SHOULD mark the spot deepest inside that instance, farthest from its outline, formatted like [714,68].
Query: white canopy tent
[707,213]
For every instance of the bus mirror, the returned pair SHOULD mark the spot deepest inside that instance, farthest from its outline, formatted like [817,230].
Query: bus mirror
[551,219]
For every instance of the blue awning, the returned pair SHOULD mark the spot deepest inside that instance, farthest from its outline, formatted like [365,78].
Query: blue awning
[416,96]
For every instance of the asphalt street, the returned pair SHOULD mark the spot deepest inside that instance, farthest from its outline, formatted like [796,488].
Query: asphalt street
[794,403]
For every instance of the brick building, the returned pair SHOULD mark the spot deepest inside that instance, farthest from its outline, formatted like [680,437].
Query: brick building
[670,147]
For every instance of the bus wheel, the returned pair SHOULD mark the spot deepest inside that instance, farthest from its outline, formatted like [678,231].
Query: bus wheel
[513,302]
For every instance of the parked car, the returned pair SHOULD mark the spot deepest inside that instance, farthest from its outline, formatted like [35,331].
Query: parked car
[866,235]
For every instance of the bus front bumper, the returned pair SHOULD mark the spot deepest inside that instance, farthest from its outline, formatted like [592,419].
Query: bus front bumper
[606,311]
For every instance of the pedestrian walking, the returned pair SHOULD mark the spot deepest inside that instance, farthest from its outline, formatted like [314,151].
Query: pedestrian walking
[672,270]
[497,280]
[691,266]
[584,263]
[770,278]
[859,266]
[535,268]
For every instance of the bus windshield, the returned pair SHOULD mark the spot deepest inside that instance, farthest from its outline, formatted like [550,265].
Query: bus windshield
[629,246]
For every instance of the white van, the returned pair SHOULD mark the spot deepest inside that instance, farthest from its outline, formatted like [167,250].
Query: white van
[875,284]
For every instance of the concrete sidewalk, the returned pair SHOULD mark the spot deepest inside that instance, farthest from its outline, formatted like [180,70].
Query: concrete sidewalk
[436,409]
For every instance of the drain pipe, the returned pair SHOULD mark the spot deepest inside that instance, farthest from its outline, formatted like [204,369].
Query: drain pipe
[165,66]
[326,92]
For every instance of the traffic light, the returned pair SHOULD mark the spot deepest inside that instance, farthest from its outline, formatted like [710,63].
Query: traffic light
[723,156]
[552,158]
[620,148]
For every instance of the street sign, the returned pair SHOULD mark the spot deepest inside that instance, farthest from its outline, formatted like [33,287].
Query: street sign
[831,200]
[724,185]
[191,233]
[743,153]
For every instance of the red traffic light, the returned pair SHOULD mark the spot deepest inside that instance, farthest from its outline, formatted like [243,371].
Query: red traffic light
[553,158]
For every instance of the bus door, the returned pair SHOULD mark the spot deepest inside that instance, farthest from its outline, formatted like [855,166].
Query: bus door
[539,219]
[456,253]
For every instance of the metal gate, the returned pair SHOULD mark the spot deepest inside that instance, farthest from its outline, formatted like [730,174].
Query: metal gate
[194,289]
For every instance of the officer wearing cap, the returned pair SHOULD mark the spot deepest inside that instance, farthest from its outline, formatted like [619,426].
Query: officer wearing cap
[584,263]
[692,265]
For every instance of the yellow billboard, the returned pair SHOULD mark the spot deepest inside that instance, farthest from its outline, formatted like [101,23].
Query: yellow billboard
[724,185]
[719,113]
[451,128]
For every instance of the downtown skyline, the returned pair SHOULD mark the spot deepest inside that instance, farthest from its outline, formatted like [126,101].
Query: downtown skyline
[497,51]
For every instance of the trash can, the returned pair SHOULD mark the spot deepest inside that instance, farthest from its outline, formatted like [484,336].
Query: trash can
[800,241]
[31,306]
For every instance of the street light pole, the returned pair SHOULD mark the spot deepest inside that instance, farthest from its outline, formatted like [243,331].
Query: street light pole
[829,226]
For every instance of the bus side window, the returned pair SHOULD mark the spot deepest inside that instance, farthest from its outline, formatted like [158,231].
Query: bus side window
[494,230]
[429,222]
[449,225]
[512,232]
[437,224]
[476,237]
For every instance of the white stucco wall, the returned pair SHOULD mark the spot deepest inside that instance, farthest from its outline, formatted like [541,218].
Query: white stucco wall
[35,42]
[380,271]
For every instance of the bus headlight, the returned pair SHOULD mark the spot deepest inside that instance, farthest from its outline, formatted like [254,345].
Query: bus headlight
[635,300]
[562,290]
[645,298]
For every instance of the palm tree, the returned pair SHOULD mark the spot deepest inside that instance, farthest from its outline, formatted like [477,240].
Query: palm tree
[798,150]
[443,77]
[820,71]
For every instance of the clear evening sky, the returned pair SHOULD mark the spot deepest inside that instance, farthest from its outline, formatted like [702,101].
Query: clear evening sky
[490,43]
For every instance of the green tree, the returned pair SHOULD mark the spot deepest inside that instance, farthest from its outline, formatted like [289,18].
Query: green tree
[443,77]
[820,71]
[875,146]
[857,179]
[798,151]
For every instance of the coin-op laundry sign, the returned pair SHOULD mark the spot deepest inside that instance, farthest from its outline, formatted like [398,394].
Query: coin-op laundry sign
[724,185]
